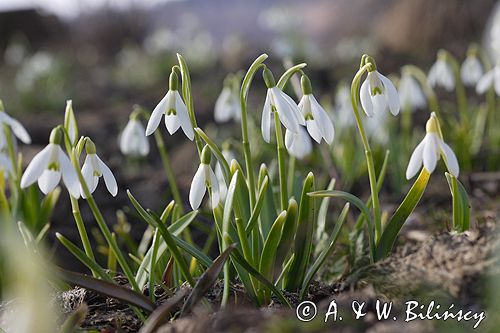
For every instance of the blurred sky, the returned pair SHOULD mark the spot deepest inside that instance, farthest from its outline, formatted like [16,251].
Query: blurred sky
[71,8]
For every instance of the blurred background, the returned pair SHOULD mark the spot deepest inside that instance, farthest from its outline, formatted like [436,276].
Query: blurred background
[109,55]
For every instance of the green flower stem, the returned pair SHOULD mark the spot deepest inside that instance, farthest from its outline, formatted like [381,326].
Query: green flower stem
[103,226]
[82,231]
[280,146]
[168,170]
[188,97]
[291,173]
[368,152]
[11,151]
[245,85]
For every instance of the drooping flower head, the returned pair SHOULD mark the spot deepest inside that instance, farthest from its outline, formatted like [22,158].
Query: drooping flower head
[94,168]
[133,140]
[490,79]
[472,69]
[378,94]
[49,166]
[203,179]
[298,145]
[16,127]
[276,100]
[318,123]
[227,105]
[411,94]
[430,150]
[174,109]
[441,73]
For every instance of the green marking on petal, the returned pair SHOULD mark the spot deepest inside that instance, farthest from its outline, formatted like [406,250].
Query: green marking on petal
[376,90]
[171,112]
[53,166]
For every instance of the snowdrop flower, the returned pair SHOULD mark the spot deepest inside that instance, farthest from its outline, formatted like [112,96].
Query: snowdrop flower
[411,94]
[94,168]
[175,111]
[228,106]
[219,174]
[441,74]
[204,178]
[471,70]
[298,145]
[70,122]
[288,111]
[16,127]
[430,150]
[133,141]
[491,78]
[49,165]
[377,93]
[318,123]
[343,107]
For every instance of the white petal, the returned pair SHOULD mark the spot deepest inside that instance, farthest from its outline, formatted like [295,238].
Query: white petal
[485,82]
[266,118]
[323,122]
[198,187]
[88,176]
[295,109]
[69,175]
[36,167]
[156,115]
[222,109]
[432,77]
[391,94]
[215,189]
[430,152]
[379,104]
[415,160]
[172,123]
[49,180]
[447,77]
[109,178]
[366,99]
[313,129]
[285,111]
[183,115]
[18,129]
[449,158]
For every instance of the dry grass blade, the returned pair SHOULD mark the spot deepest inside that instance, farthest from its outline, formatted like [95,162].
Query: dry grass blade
[106,288]
[163,313]
[206,281]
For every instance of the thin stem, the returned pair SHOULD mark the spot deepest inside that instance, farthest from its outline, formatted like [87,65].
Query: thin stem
[368,152]
[247,80]
[280,147]
[291,173]
[82,231]
[168,170]
[103,226]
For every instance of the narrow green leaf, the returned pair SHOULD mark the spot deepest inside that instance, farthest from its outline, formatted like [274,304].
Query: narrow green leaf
[167,236]
[288,234]
[206,280]
[404,210]
[254,217]
[47,206]
[106,288]
[238,258]
[242,198]
[84,259]
[268,257]
[326,252]
[268,212]
[321,235]
[461,204]
[303,237]
[356,202]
